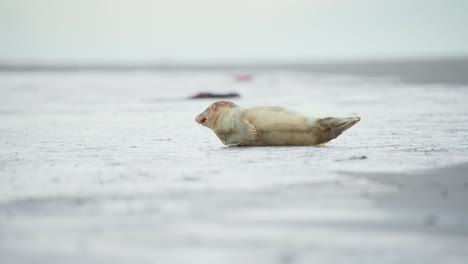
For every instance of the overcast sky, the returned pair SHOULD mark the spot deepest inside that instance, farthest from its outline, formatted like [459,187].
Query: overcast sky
[219,31]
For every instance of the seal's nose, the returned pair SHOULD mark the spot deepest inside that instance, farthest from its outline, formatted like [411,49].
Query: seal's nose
[200,119]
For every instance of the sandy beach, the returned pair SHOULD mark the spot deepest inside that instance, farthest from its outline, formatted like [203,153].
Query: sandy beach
[102,166]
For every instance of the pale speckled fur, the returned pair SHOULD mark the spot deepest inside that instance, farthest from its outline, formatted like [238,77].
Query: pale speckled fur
[275,126]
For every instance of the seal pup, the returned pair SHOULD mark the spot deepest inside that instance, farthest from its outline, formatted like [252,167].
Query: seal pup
[270,126]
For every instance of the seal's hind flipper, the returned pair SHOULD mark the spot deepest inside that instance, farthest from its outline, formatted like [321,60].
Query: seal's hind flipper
[251,131]
[336,126]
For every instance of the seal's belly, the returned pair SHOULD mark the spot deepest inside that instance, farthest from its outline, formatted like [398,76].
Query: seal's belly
[283,138]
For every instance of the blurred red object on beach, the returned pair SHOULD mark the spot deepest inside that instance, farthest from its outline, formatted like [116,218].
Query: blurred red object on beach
[243,78]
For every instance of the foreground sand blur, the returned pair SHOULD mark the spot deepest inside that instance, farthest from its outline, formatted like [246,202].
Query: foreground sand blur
[101,167]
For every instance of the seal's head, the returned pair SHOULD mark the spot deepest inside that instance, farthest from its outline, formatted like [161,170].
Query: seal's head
[210,116]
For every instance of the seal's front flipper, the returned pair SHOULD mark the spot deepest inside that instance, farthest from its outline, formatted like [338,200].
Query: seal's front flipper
[335,125]
[251,132]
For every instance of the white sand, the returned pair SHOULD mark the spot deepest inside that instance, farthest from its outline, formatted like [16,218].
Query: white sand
[99,167]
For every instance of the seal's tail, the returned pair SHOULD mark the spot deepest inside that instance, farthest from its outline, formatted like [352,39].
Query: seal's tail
[336,125]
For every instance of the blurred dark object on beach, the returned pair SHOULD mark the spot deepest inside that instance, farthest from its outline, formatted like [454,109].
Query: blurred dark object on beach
[214,95]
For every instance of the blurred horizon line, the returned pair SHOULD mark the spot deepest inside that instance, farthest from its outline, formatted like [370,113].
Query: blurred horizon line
[425,70]
[72,66]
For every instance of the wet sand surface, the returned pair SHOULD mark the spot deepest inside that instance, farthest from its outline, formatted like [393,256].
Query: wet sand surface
[100,167]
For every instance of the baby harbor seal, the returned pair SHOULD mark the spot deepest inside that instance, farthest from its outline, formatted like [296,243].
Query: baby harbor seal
[270,126]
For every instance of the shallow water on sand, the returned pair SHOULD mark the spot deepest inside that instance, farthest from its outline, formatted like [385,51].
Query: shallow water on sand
[100,166]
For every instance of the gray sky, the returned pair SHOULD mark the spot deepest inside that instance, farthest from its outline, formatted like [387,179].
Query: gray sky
[218,31]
